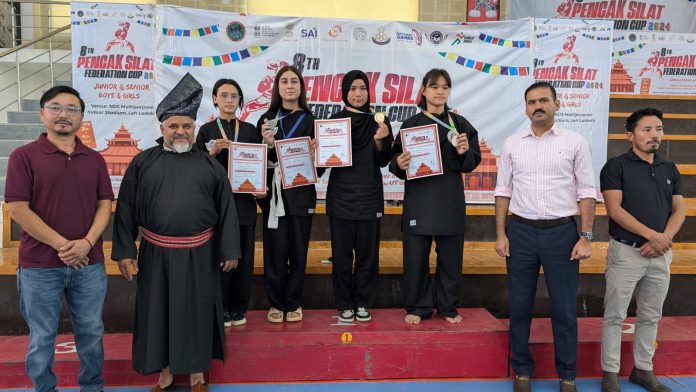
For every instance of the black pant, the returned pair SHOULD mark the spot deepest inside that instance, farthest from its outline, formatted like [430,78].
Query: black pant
[236,284]
[551,248]
[354,287]
[285,260]
[420,294]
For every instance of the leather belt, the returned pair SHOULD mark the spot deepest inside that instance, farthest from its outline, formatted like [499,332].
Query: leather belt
[629,243]
[543,223]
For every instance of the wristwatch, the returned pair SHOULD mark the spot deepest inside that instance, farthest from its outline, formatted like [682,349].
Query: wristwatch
[587,234]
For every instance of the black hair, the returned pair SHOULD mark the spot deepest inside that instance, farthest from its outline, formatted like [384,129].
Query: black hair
[277,101]
[431,77]
[541,85]
[55,90]
[633,119]
[222,82]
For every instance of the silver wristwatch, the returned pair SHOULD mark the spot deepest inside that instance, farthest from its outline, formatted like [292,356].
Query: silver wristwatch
[587,234]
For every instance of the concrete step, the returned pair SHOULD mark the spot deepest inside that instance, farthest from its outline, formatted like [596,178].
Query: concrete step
[63,83]
[20,131]
[30,104]
[26,117]
[3,166]
[7,146]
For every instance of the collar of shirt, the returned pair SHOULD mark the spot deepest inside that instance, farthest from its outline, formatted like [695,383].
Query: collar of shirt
[632,156]
[555,130]
[49,148]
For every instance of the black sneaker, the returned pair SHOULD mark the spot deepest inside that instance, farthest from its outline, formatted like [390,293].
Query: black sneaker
[237,318]
[346,316]
[227,319]
[362,314]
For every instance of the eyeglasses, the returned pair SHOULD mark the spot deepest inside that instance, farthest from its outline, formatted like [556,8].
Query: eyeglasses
[228,97]
[58,109]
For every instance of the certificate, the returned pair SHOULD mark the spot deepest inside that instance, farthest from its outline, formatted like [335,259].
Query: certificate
[295,161]
[424,145]
[335,148]
[247,167]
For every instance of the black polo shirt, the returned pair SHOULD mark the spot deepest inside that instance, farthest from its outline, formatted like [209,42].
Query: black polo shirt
[647,191]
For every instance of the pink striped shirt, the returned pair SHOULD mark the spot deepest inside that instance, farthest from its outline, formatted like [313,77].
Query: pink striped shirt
[545,176]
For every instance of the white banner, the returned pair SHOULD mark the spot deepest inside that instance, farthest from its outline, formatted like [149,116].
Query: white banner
[483,59]
[491,65]
[654,63]
[574,56]
[113,47]
[647,16]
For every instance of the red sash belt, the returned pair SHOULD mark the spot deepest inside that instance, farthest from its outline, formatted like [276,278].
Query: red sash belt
[164,241]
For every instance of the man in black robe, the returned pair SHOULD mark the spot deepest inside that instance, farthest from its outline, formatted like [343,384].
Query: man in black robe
[182,200]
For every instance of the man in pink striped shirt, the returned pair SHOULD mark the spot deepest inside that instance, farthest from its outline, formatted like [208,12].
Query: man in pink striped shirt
[542,172]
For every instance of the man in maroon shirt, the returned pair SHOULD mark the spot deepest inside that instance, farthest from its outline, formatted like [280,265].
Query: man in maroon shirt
[59,192]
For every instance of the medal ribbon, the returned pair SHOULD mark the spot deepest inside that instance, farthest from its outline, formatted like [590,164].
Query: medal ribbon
[294,127]
[236,129]
[451,126]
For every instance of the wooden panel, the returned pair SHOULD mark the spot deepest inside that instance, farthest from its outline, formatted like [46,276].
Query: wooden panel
[681,116]
[654,97]
[622,136]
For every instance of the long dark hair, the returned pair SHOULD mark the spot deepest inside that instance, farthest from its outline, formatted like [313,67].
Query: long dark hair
[431,77]
[277,101]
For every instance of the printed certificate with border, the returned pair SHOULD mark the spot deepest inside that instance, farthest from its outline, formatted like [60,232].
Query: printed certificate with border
[296,163]
[335,148]
[246,167]
[424,145]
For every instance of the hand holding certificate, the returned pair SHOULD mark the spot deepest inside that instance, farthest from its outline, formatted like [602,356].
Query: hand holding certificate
[247,167]
[334,148]
[296,163]
[423,143]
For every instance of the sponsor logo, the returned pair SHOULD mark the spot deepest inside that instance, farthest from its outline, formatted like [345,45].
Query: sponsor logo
[311,33]
[463,38]
[264,31]
[335,31]
[289,30]
[359,34]
[80,13]
[404,37]
[417,37]
[236,31]
[381,37]
[436,37]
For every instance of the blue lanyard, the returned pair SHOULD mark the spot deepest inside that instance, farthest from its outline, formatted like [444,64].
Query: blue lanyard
[294,127]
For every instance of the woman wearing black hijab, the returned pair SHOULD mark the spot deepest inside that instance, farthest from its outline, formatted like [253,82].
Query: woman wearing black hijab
[355,202]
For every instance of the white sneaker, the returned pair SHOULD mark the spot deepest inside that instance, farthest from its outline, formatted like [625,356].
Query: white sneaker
[363,314]
[346,316]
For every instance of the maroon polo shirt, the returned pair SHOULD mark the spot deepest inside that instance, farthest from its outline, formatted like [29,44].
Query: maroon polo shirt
[63,190]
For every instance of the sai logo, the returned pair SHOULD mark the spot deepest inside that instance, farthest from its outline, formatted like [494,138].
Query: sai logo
[309,33]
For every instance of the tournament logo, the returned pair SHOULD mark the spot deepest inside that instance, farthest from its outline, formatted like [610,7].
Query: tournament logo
[381,37]
[436,37]
[264,88]
[405,37]
[567,51]
[80,13]
[463,38]
[359,34]
[120,43]
[236,31]
[653,65]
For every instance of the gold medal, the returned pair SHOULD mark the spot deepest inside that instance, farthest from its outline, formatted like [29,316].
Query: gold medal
[379,117]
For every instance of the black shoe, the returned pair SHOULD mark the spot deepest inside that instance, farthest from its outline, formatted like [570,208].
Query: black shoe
[647,380]
[610,382]
[227,319]
[237,318]
[346,316]
[362,314]
[567,386]
[522,384]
